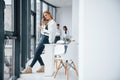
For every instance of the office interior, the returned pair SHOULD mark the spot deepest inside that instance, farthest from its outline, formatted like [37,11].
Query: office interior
[93,24]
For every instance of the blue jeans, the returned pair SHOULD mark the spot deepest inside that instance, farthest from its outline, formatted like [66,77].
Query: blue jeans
[44,40]
[57,38]
[65,46]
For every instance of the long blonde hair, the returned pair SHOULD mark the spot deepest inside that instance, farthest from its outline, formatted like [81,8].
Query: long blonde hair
[48,13]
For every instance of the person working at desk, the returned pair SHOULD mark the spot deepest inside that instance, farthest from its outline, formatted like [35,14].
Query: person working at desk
[58,33]
[48,30]
[65,35]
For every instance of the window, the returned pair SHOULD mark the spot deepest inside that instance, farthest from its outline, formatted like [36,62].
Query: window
[54,13]
[38,20]
[8,13]
[32,25]
[33,5]
[51,9]
[9,48]
[9,59]
[32,47]
[45,7]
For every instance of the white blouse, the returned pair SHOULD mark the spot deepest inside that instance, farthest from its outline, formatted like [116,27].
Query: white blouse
[58,32]
[66,36]
[51,30]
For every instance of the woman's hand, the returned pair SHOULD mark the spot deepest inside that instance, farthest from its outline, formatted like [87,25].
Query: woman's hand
[40,28]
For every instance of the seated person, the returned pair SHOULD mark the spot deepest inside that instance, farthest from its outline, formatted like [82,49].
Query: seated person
[65,35]
[58,33]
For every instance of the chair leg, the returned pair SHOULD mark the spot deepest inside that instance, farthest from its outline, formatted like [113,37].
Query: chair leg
[75,68]
[56,63]
[62,63]
[66,63]
[66,70]
[58,67]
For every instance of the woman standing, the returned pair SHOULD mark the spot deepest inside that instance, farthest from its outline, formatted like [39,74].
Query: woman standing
[48,30]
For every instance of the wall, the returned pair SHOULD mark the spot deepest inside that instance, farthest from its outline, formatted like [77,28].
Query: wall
[64,17]
[75,20]
[99,39]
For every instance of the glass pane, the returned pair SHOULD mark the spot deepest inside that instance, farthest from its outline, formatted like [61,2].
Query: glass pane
[32,5]
[9,59]
[54,13]
[32,47]
[32,25]
[8,16]
[51,9]
[45,7]
[38,20]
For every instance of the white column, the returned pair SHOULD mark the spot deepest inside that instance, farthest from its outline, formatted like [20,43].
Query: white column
[99,39]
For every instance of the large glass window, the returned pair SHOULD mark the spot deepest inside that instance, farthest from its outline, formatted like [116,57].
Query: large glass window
[8,13]
[32,47]
[9,49]
[51,9]
[32,25]
[9,59]
[32,36]
[45,7]
[38,20]
[32,5]
[54,13]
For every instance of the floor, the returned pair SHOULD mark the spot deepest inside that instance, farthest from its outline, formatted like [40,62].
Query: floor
[41,76]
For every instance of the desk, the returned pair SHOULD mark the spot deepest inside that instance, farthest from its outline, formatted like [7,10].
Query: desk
[49,59]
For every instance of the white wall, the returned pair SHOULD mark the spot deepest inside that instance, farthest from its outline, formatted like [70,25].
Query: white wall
[99,39]
[75,19]
[64,17]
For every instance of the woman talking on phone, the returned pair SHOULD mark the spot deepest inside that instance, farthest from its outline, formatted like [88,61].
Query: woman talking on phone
[48,30]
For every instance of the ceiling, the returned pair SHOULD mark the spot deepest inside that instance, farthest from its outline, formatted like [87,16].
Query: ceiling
[60,3]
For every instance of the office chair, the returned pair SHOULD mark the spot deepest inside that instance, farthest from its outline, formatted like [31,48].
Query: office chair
[63,59]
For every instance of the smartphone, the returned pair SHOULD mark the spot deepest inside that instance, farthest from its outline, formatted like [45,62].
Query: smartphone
[44,19]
